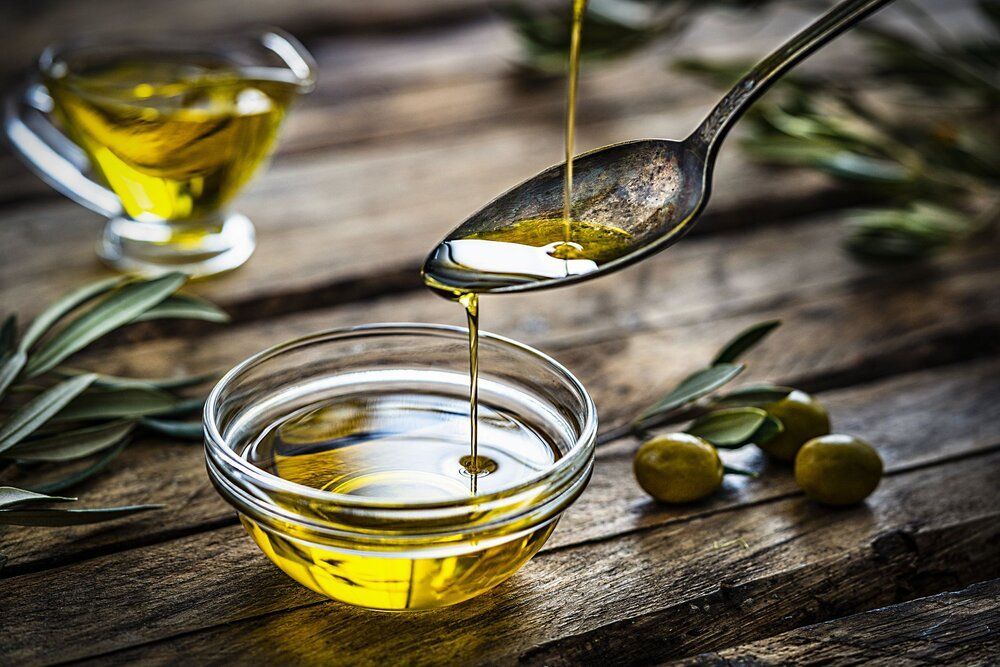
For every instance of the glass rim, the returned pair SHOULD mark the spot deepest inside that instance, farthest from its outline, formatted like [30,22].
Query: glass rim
[573,461]
[287,48]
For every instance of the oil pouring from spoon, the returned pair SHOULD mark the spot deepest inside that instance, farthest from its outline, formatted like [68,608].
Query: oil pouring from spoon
[475,464]
[630,200]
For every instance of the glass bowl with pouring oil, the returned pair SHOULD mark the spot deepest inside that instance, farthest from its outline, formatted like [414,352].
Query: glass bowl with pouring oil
[159,133]
[347,456]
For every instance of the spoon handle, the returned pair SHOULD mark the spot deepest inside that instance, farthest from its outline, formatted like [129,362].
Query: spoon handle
[842,16]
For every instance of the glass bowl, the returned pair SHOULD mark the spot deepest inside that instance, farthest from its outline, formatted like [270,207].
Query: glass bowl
[386,552]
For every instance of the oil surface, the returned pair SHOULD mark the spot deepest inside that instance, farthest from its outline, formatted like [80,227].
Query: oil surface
[175,140]
[400,446]
[527,251]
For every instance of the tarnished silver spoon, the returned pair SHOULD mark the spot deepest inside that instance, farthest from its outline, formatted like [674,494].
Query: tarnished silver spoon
[652,189]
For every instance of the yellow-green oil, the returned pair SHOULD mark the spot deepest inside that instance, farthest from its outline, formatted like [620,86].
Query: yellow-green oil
[174,140]
[406,447]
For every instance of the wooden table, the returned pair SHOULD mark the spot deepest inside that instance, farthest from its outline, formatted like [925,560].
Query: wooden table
[416,121]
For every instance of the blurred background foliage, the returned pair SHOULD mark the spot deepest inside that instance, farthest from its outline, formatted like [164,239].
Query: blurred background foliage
[918,124]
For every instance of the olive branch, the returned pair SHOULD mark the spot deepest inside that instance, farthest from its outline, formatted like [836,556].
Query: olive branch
[729,420]
[53,415]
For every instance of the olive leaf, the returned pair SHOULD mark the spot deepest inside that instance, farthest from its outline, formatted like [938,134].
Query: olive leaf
[729,427]
[915,231]
[59,517]
[611,28]
[78,476]
[118,308]
[10,368]
[24,421]
[47,429]
[63,306]
[74,444]
[745,340]
[183,306]
[11,495]
[771,427]
[185,430]
[126,402]
[116,382]
[694,386]
[12,358]
[755,395]
[854,166]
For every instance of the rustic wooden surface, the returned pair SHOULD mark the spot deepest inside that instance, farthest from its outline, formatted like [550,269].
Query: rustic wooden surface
[416,121]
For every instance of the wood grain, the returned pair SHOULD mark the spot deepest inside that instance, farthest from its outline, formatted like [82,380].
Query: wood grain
[893,415]
[949,628]
[29,28]
[654,594]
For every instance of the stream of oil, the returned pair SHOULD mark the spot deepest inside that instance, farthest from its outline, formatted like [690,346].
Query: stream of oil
[576,30]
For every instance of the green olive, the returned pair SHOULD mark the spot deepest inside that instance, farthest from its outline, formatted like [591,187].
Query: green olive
[838,469]
[677,468]
[803,418]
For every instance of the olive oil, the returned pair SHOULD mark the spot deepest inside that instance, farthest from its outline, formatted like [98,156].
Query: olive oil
[403,447]
[472,464]
[527,251]
[175,140]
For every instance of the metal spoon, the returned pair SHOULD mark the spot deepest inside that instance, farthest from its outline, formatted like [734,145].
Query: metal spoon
[654,189]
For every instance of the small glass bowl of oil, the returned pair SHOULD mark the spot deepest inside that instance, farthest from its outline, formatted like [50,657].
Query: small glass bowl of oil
[346,455]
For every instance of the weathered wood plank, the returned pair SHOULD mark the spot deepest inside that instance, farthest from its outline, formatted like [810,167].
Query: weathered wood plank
[892,414]
[648,595]
[950,628]
[29,28]
[894,327]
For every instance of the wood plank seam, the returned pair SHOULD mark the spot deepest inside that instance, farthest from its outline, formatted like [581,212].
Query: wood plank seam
[808,642]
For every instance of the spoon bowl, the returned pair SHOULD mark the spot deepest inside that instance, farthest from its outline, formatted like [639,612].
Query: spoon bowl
[649,192]
[651,188]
